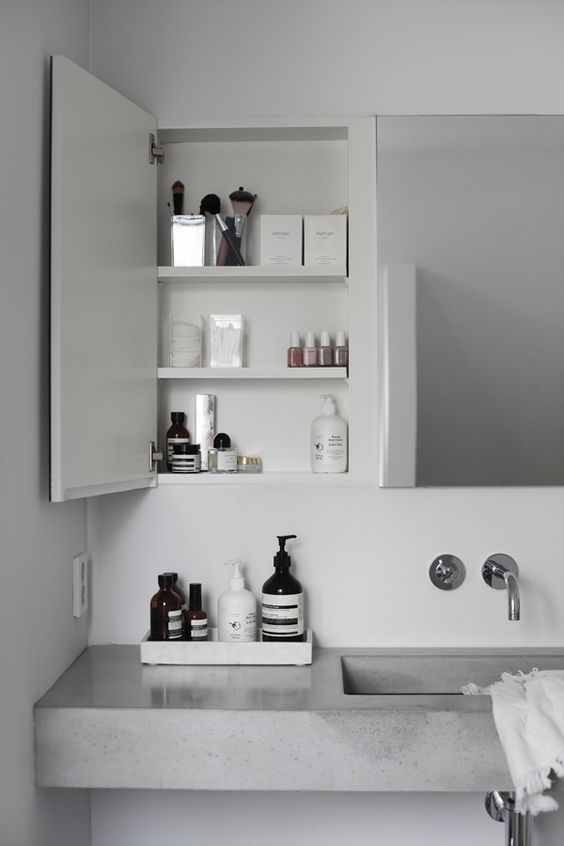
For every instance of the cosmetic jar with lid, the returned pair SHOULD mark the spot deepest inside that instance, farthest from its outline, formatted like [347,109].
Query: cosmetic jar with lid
[249,464]
[226,455]
[186,458]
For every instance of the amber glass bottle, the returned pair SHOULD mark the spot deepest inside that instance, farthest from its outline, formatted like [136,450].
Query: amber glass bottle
[166,612]
[177,433]
[195,618]
[282,606]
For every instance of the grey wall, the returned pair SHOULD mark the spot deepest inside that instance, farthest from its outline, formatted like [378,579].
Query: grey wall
[39,637]
[263,57]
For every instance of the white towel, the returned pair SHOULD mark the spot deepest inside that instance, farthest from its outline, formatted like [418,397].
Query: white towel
[529,715]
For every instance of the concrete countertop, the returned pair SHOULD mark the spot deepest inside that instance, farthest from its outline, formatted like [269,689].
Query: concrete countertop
[111,722]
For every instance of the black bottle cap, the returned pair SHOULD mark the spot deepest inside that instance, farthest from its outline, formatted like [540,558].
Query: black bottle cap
[222,441]
[165,580]
[282,560]
[195,602]
[174,576]
[177,417]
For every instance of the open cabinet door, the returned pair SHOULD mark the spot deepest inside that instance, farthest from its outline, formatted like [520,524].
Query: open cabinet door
[103,288]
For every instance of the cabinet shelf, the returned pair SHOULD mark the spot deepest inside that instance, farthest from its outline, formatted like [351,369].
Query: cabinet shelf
[289,373]
[266,478]
[253,273]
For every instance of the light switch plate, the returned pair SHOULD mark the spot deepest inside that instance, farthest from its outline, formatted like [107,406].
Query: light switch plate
[80,584]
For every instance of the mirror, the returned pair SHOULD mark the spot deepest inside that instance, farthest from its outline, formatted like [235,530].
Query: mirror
[471,300]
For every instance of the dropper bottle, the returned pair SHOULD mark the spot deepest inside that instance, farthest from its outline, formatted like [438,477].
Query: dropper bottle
[282,607]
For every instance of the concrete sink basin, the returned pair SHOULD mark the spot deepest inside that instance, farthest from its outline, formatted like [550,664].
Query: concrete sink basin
[434,674]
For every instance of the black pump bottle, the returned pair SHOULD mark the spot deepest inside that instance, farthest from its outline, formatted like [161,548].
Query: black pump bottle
[282,607]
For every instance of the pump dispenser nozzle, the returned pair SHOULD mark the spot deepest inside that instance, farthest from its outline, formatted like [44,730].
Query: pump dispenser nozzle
[237,580]
[282,560]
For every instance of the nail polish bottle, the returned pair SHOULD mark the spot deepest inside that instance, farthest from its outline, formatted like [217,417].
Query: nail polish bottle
[341,351]
[310,351]
[325,351]
[295,352]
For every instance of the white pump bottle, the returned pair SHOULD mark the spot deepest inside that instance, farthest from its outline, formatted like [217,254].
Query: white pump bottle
[237,609]
[329,440]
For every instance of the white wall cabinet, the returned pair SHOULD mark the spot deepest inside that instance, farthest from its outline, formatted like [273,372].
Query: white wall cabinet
[113,289]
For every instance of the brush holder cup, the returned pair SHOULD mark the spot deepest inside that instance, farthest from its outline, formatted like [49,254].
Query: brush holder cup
[187,235]
[238,228]
[213,241]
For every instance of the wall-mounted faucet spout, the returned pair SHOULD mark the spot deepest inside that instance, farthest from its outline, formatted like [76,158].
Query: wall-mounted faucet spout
[500,572]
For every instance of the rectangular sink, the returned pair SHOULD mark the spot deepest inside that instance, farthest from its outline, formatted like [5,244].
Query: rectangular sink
[417,674]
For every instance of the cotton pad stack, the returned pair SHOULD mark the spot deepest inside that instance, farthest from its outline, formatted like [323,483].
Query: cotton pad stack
[185,342]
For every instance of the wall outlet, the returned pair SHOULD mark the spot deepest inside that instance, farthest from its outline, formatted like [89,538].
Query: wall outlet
[80,584]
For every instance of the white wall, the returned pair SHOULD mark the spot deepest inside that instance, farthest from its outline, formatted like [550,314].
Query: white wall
[39,637]
[262,57]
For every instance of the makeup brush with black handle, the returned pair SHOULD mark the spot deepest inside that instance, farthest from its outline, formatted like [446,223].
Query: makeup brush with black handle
[177,197]
[242,202]
[212,205]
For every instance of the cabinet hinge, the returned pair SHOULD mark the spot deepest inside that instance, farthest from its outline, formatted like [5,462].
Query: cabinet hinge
[154,456]
[156,152]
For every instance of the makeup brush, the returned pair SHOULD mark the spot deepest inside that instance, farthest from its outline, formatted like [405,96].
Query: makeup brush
[211,204]
[242,203]
[178,197]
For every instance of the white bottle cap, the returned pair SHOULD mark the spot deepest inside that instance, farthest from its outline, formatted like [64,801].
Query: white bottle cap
[340,339]
[310,339]
[237,581]
[325,339]
[294,339]
[329,406]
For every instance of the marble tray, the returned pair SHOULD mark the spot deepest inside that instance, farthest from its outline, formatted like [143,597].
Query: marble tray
[213,651]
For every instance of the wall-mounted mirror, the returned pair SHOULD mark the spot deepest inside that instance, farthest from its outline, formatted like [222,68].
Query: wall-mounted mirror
[471,294]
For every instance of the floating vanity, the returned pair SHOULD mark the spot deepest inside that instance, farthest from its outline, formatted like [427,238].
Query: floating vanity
[111,722]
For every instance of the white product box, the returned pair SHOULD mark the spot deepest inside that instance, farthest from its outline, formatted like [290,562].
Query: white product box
[280,239]
[325,239]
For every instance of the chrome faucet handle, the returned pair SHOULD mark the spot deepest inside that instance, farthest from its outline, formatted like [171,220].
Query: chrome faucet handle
[500,572]
[447,572]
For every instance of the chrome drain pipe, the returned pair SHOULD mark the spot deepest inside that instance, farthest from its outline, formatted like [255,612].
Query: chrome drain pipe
[518,827]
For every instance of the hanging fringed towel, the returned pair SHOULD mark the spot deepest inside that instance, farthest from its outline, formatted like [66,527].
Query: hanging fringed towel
[529,715]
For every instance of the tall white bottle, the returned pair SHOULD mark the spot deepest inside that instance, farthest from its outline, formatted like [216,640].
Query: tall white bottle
[237,609]
[329,441]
